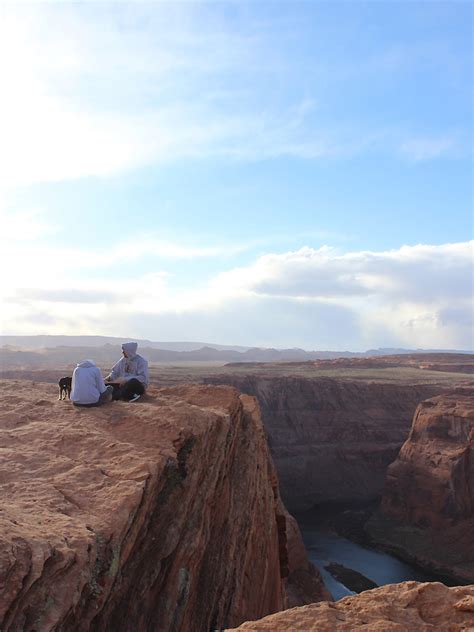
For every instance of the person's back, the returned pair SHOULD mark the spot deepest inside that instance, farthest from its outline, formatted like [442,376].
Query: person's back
[88,386]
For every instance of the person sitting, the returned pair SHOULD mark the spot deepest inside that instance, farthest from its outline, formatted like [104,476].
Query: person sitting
[129,376]
[88,387]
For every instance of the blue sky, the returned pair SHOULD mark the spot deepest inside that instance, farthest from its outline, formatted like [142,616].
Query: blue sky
[262,173]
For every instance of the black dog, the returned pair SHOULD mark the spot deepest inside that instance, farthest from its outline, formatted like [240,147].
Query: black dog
[65,385]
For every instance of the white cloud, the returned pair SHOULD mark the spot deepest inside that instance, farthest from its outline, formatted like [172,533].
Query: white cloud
[421,273]
[65,295]
[426,148]
[416,296]
[31,266]
[166,249]
[23,226]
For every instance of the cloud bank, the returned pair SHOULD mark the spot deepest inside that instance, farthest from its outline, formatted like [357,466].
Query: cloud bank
[415,296]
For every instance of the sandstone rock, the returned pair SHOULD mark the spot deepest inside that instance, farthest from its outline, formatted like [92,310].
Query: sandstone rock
[160,515]
[305,583]
[331,440]
[405,607]
[431,483]
[428,500]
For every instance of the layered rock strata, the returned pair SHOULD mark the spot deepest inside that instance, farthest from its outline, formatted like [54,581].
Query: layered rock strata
[427,510]
[331,440]
[407,607]
[159,515]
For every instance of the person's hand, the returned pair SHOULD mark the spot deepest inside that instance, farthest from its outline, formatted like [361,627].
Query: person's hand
[120,380]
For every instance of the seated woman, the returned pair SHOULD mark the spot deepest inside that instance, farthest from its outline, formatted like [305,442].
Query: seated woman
[88,387]
[129,376]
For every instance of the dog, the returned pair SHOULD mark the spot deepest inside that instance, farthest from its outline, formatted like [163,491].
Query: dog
[65,385]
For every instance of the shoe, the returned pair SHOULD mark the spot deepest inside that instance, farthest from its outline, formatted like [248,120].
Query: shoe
[134,398]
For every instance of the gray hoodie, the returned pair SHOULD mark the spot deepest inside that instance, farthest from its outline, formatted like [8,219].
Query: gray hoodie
[133,366]
[87,383]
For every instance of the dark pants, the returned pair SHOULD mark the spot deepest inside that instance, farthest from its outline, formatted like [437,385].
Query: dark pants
[128,390]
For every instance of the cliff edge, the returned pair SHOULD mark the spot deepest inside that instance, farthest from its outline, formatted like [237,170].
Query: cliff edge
[427,511]
[161,515]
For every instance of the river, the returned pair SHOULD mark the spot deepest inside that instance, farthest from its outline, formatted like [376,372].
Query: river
[325,546]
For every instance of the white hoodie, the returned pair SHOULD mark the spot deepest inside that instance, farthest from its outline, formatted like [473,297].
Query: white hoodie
[87,383]
[132,366]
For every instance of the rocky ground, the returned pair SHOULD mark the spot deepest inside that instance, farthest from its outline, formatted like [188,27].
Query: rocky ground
[161,514]
[405,607]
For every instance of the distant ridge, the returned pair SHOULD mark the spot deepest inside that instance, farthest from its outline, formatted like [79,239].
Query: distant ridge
[44,341]
[43,351]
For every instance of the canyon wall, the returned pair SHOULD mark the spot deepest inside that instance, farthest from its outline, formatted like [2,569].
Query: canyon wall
[427,510]
[405,607]
[304,584]
[331,440]
[159,515]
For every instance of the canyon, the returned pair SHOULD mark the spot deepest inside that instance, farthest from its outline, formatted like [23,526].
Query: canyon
[163,516]
[332,440]
[352,440]
[170,511]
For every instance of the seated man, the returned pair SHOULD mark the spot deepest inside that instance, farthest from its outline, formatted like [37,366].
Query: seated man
[88,388]
[129,375]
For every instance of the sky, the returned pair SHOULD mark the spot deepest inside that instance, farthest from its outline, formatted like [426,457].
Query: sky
[277,174]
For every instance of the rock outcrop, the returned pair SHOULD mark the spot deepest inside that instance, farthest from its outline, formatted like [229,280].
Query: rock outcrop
[331,440]
[427,510]
[405,607]
[160,515]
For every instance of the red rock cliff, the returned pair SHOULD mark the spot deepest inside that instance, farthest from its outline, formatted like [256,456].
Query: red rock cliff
[161,515]
[405,607]
[428,500]
[331,440]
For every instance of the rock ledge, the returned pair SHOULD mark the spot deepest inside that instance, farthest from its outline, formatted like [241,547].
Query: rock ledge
[405,607]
